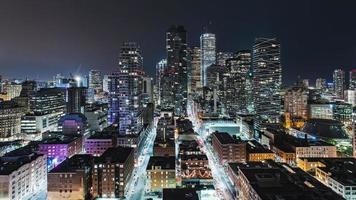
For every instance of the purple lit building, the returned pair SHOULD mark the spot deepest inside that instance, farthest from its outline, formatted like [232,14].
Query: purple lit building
[58,149]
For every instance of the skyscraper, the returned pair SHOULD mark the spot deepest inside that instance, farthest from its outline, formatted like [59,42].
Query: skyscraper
[175,76]
[320,83]
[339,83]
[125,86]
[267,78]
[95,80]
[196,70]
[352,81]
[239,96]
[112,86]
[208,54]
[76,99]
[160,67]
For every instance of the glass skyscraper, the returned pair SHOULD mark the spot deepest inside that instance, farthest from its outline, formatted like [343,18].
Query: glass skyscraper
[267,78]
[208,54]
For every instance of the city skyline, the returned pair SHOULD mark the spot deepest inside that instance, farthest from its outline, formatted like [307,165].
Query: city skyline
[88,35]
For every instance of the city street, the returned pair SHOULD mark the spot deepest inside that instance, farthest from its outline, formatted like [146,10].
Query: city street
[224,187]
[136,186]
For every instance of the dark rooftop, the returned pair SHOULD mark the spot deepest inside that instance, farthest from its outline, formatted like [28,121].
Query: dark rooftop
[325,128]
[10,164]
[255,147]
[342,170]
[279,181]
[116,154]
[225,138]
[162,161]
[180,194]
[76,162]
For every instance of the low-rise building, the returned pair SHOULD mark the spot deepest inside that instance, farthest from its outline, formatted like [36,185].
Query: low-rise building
[112,171]
[23,176]
[161,173]
[269,180]
[72,179]
[227,148]
[59,148]
[98,143]
[337,173]
[256,152]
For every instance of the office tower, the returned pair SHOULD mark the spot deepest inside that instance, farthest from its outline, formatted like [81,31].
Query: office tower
[339,83]
[125,89]
[196,81]
[28,89]
[160,67]
[174,82]
[221,57]
[267,78]
[113,84]
[106,83]
[97,116]
[48,101]
[239,90]
[95,80]
[352,81]
[76,98]
[320,83]
[208,54]
[147,91]
[112,171]
[10,119]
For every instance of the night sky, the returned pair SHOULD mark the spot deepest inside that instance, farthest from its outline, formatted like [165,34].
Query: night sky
[40,38]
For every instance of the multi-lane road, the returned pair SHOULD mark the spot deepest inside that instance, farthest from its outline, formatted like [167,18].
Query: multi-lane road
[223,186]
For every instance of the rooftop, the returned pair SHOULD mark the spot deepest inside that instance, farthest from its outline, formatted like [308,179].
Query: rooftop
[280,181]
[116,155]
[342,170]
[225,138]
[77,162]
[255,147]
[11,164]
[161,161]
[180,194]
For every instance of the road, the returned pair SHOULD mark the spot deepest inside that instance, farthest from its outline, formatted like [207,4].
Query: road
[224,187]
[136,186]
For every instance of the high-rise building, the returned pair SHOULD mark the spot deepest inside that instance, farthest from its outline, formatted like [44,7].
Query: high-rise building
[221,57]
[352,80]
[196,81]
[267,78]
[174,82]
[208,54]
[125,89]
[95,80]
[106,83]
[320,83]
[47,101]
[239,90]
[76,99]
[160,67]
[339,83]
[296,102]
